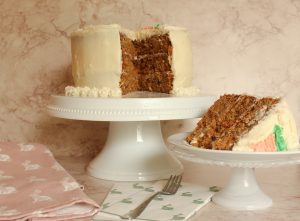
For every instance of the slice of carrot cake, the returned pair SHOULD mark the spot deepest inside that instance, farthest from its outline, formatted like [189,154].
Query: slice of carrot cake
[246,123]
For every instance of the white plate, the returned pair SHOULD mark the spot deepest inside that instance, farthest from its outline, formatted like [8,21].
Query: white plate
[230,158]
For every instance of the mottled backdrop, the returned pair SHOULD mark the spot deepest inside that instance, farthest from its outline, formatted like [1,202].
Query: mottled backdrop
[239,46]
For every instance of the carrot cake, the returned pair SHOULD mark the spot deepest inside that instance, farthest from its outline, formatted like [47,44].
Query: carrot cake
[246,123]
[110,61]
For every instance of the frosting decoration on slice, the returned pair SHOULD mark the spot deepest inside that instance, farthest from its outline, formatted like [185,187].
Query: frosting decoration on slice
[279,139]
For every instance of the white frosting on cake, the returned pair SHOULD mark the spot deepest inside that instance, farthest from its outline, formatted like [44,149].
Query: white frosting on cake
[116,92]
[92,92]
[181,57]
[96,56]
[186,91]
[148,32]
[97,59]
[280,115]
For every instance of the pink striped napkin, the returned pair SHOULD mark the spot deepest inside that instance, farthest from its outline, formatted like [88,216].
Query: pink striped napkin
[34,186]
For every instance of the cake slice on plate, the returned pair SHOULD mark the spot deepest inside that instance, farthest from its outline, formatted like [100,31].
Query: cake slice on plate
[246,123]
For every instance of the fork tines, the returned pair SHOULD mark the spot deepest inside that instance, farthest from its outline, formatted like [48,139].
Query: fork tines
[173,184]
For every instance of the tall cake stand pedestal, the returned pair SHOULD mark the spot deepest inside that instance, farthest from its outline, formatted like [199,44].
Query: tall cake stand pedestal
[135,149]
[242,191]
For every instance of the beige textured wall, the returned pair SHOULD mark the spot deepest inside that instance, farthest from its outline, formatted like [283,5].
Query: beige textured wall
[239,46]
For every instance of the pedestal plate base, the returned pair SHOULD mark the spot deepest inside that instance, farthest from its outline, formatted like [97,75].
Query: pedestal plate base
[134,151]
[242,192]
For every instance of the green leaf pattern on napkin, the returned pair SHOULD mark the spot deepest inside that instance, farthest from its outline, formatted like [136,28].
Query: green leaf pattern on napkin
[198,201]
[105,205]
[137,186]
[115,191]
[159,198]
[178,217]
[149,189]
[214,189]
[187,194]
[167,207]
[123,198]
[126,200]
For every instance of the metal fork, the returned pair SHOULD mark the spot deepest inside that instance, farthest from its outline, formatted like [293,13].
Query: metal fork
[170,188]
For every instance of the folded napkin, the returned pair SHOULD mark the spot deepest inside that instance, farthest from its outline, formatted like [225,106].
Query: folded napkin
[33,186]
[124,197]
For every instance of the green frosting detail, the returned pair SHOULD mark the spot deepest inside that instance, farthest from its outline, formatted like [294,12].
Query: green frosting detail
[279,140]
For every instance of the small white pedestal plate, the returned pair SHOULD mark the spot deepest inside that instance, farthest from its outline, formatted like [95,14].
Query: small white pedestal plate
[135,149]
[242,191]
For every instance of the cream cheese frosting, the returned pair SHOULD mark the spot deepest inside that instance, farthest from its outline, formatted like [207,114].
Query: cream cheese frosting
[96,56]
[92,92]
[116,92]
[182,57]
[279,115]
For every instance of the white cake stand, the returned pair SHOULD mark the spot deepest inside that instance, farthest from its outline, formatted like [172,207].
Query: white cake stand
[134,149]
[242,191]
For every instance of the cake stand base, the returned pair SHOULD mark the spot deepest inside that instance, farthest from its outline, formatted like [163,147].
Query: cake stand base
[242,192]
[134,151]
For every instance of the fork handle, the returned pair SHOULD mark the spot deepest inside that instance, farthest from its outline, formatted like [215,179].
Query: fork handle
[132,214]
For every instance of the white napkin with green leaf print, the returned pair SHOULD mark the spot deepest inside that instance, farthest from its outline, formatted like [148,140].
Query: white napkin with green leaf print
[124,197]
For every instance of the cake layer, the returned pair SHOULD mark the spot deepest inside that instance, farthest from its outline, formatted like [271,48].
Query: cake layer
[153,63]
[156,82]
[154,45]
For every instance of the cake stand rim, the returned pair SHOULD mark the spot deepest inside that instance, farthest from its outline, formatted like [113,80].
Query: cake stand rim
[232,158]
[128,109]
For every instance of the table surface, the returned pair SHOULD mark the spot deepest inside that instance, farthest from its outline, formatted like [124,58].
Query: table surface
[282,184]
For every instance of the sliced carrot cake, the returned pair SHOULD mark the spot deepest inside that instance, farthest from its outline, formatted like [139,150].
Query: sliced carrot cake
[246,123]
[110,61]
